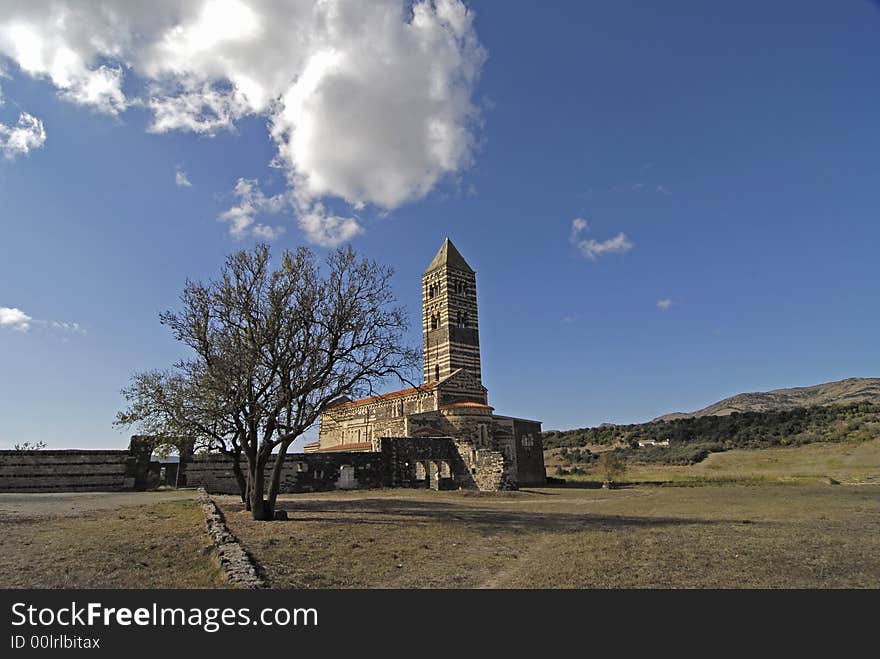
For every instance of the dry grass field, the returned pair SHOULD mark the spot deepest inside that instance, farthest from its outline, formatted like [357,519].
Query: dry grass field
[148,546]
[763,518]
[771,536]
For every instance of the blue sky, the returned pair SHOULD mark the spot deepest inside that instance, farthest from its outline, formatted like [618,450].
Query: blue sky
[721,158]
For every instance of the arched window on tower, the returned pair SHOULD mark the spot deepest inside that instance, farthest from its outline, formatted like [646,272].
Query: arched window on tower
[435,321]
[462,319]
[436,371]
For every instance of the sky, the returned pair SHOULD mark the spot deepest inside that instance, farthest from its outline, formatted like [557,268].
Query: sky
[665,203]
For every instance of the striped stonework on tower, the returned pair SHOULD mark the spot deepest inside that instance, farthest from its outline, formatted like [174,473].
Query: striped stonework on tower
[450,325]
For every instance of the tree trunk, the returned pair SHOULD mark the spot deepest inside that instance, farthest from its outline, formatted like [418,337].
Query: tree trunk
[260,508]
[275,481]
[239,478]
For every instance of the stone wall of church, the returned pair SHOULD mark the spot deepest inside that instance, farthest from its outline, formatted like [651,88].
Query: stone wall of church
[490,473]
[459,388]
[529,453]
[404,456]
[367,422]
[471,424]
[487,444]
[470,467]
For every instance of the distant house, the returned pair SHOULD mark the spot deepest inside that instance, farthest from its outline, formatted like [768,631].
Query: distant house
[653,442]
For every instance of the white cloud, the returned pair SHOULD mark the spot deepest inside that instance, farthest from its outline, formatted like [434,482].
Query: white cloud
[18,320]
[592,249]
[198,109]
[71,328]
[578,225]
[19,140]
[251,204]
[14,319]
[662,189]
[49,40]
[369,103]
[664,304]
[328,230]
[620,244]
[181,179]
[266,232]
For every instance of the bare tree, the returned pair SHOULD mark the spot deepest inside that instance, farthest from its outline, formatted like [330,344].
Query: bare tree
[183,412]
[274,347]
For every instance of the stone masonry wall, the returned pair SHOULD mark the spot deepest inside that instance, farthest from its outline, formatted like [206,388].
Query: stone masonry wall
[64,471]
[401,454]
[489,473]
[302,472]
[395,465]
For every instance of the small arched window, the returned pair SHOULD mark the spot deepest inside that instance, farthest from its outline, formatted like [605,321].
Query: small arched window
[436,371]
[435,321]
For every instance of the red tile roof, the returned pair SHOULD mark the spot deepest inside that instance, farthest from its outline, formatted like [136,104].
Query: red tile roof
[466,404]
[394,394]
[360,446]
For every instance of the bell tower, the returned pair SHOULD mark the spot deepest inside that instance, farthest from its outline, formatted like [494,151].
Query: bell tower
[450,326]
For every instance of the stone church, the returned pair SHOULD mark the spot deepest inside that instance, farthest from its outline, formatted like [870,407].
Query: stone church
[452,403]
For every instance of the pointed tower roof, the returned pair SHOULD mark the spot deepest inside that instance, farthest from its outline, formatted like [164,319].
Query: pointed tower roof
[450,257]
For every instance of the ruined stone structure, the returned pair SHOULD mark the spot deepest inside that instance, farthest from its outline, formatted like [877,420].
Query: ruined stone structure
[419,462]
[493,451]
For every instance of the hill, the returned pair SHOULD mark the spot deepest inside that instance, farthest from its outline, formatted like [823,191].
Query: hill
[689,440]
[843,392]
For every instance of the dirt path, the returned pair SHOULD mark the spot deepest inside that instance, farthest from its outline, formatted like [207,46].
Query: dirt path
[537,551]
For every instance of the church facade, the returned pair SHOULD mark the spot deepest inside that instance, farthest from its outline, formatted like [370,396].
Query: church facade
[495,451]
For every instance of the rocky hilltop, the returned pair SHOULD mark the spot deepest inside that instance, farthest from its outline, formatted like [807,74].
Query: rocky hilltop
[851,390]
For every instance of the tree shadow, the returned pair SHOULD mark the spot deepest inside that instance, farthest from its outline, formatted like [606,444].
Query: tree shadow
[488,521]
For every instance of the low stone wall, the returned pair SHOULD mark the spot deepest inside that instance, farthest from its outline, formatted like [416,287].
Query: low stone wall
[302,472]
[65,471]
[445,464]
[239,567]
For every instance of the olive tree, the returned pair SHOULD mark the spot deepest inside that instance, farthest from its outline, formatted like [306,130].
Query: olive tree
[272,347]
